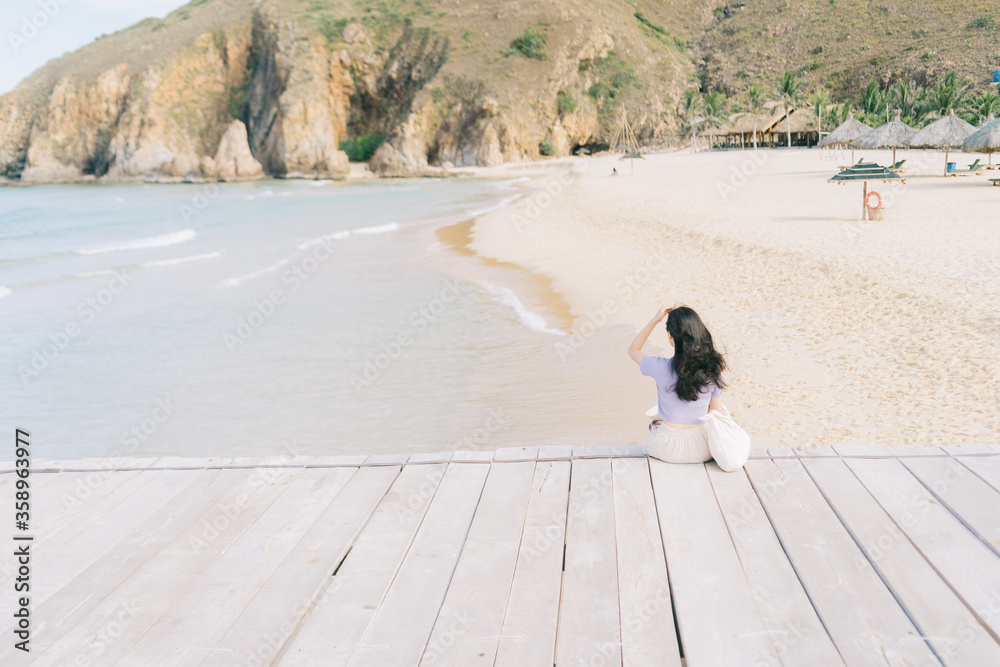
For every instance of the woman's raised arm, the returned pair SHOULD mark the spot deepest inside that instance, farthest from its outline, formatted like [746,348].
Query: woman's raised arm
[635,349]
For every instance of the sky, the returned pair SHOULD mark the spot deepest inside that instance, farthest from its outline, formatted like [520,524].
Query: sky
[32,32]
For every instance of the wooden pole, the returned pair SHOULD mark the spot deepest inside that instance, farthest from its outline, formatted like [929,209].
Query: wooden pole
[864,201]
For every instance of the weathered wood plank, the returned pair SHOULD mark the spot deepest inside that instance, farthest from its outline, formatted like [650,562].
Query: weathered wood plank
[867,451]
[971,499]
[723,627]
[987,468]
[399,631]
[208,608]
[516,454]
[859,612]
[968,450]
[968,565]
[814,452]
[136,604]
[796,631]
[629,451]
[472,456]
[648,637]
[469,623]
[555,452]
[76,599]
[300,582]
[589,626]
[335,623]
[528,636]
[591,451]
[781,453]
[65,507]
[940,614]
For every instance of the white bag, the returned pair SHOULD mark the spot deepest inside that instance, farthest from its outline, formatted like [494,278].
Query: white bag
[729,444]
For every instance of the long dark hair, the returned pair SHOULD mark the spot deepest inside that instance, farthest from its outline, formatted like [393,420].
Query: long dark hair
[696,361]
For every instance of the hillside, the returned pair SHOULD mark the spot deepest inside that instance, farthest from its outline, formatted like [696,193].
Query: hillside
[844,44]
[228,89]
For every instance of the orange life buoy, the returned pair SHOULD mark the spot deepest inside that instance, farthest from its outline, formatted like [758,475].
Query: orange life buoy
[873,200]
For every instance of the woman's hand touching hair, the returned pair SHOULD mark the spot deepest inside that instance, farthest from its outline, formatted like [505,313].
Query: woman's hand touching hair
[662,313]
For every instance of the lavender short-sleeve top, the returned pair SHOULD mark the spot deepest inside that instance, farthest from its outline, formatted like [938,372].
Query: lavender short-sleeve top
[669,405]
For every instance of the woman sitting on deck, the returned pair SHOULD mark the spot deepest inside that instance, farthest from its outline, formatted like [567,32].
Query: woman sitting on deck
[688,386]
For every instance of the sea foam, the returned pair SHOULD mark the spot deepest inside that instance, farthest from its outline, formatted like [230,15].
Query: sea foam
[137,244]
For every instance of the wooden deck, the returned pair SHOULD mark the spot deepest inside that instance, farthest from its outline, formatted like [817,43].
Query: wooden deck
[586,556]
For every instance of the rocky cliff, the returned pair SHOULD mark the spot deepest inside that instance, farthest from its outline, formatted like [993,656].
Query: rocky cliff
[271,89]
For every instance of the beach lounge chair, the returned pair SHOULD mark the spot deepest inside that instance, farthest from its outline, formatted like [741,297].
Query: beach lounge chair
[995,181]
[974,168]
[898,167]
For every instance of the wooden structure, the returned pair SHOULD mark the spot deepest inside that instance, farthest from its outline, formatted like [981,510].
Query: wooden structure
[567,556]
[771,128]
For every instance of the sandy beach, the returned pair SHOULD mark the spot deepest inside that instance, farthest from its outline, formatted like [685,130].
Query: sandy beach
[836,329]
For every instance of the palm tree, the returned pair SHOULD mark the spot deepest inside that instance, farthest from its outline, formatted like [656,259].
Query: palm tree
[691,106]
[789,93]
[984,105]
[819,99]
[905,97]
[714,107]
[755,104]
[949,95]
[872,101]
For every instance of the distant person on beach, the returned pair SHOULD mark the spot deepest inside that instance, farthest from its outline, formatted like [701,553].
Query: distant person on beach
[688,386]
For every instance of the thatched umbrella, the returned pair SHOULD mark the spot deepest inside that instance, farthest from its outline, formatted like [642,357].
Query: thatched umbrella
[947,133]
[846,133]
[893,134]
[984,140]
[865,172]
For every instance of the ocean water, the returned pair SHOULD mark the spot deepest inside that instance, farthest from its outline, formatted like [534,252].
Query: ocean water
[282,317]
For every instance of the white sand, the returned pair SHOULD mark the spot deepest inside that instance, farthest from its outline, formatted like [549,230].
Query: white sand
[836,329]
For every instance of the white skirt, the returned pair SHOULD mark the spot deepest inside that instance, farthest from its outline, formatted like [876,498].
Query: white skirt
[679,445]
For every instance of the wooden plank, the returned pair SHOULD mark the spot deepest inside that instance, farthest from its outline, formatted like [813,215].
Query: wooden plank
[877,451]
[591,451]
[516,454]
[987,468]
[469,455]
[75,600]
[300,582]
[921,450]
[968,450]
[336,622]
[138,602]
[399,631]
[589,626]
[209,607]
[66,507]
[629,451]
[814,452]
[648,637]
[759,453]
[555,452]
[528,636]
[781,453]
[940,614]
[470,621]
[796,631]
[859,612]
[430,457]
[386,459]
[968,565]
[724,627]
[349,460]
[968,497]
